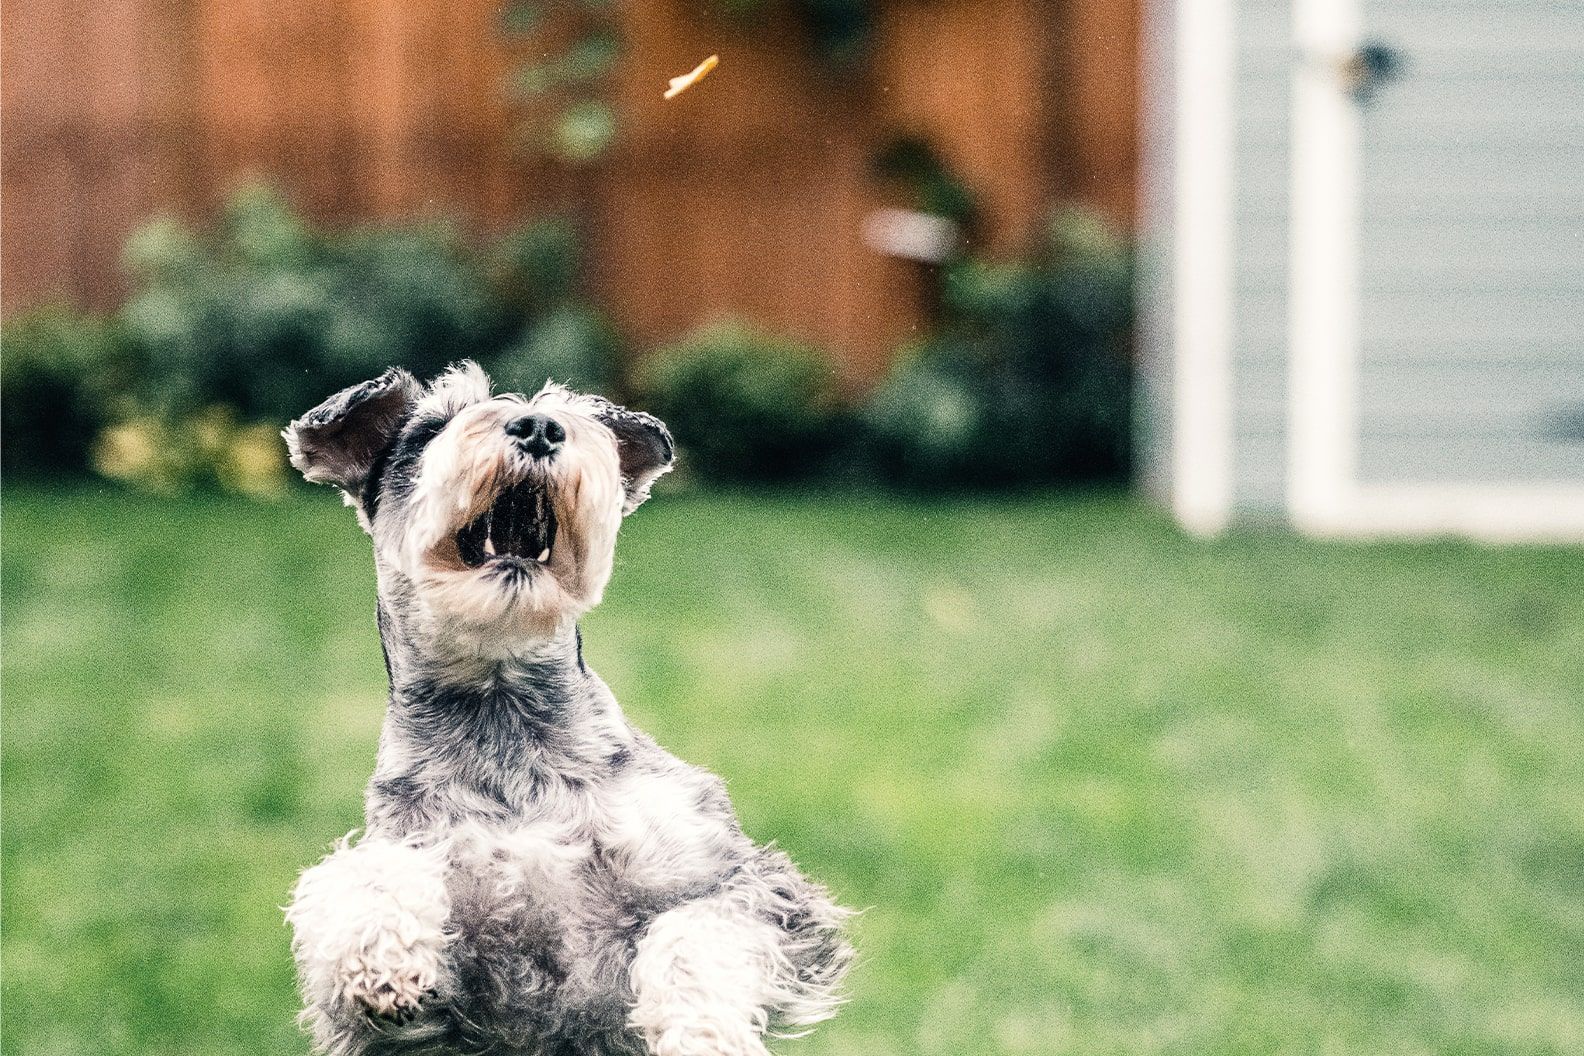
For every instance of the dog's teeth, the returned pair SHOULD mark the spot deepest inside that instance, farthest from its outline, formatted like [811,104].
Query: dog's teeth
[489,546]
[544,555]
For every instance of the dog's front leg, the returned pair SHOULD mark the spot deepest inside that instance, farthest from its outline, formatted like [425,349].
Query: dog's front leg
[712,976]
[369,925]
[700,979]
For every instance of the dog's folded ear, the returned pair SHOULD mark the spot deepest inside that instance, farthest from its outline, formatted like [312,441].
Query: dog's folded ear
[644,446]
[338,441]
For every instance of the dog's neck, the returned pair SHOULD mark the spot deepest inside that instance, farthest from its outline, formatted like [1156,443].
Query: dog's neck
[507,732]
[539,675]
[420,656]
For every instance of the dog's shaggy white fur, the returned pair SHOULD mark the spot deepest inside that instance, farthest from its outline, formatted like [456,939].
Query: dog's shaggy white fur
[536,876]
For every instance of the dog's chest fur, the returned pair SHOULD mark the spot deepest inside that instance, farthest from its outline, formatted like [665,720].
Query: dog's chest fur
[565,832]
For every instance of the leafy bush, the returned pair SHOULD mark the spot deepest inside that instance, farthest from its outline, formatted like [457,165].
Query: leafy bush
[1028,379]
[267,315]
[572,343]
[233,331]
[62,380]
[745,405]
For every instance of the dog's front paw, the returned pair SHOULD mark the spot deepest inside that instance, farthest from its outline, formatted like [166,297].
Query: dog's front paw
[394,994]
[370,929]
[394,963]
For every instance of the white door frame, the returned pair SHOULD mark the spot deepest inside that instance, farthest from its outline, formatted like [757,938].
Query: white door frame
[1324,495]
[1203,146]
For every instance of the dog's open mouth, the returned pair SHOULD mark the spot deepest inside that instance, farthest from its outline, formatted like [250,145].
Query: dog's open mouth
[519,528]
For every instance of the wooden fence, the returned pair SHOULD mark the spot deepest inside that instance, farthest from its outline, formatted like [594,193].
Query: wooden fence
[743,196]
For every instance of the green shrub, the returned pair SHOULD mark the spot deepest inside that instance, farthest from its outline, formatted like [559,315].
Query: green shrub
[234,330]
[266,315]
[745,405]
[572,343]
[63,376]
[1027,380]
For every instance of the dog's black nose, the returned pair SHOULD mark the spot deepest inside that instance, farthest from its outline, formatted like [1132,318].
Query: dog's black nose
[539,434]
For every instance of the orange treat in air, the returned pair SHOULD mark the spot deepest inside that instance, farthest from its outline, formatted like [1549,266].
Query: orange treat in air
[692,77]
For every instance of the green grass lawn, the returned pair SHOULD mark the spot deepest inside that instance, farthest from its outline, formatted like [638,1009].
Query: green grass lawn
[1102,788]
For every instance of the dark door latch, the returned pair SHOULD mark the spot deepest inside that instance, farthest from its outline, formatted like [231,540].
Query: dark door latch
[1369,67]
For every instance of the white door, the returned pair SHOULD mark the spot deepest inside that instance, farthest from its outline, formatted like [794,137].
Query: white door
[1438,267]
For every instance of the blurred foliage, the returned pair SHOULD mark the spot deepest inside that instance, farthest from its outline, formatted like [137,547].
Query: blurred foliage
[232,331]
[209,447]
[746,405]
[577,44]
[572,343]
[584,131]
[266,314]
[839,31]
[63,376]
[924,178]
[1028,379]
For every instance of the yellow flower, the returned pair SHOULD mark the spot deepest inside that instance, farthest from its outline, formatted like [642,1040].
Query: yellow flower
[254,462]
[128,451]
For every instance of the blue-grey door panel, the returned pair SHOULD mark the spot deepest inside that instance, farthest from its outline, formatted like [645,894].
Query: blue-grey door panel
[1471,242]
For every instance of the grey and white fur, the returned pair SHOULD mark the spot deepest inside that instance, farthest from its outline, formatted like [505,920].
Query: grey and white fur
[535,876]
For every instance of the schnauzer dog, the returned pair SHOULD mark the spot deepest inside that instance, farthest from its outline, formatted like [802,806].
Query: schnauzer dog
[535,876]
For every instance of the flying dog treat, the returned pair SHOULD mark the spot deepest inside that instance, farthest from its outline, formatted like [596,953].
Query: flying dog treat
[689,79]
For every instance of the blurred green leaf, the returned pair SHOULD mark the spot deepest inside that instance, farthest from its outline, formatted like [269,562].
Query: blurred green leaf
[584,131]
[589,58]
[573,344]
[984,291]
[929,183]
[263,231]
[521,16]
[163,248]
[540,259]
[841,29]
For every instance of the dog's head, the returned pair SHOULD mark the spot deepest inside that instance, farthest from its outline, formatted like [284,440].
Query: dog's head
[494,518]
